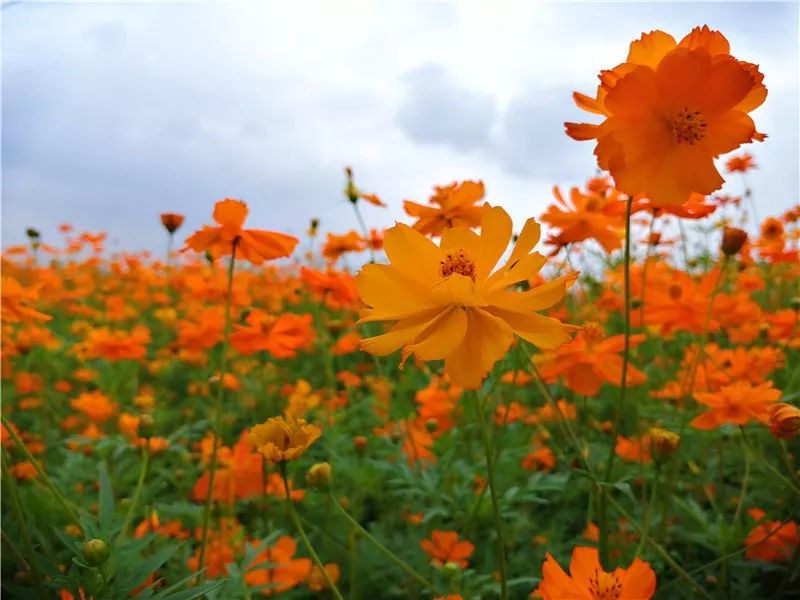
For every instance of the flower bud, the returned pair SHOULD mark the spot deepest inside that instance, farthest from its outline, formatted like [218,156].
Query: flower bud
[450,570]
[32,233]
[319,476]
[733,239]
[360,444]
[95,552]
[784,421]
[795,303]
[663,443]
[431,425]
[145,428]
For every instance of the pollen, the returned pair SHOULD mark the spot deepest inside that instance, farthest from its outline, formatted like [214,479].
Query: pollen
[604,586]
[457,261]
[689,126]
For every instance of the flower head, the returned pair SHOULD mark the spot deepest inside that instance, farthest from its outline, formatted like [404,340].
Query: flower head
[737,403]
[171,222]
[450,302]
[588,581]
[254,245]
[669,111]
[281,439]
[453,206]
[444,547]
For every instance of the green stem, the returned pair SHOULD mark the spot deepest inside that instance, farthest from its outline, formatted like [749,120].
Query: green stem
[301,532]
[648,509]
[215,427]
[660,549]
[138,491]
[27,545]
[745,479]
[364,231]
[768,465]
[388,553]
[39,471]
[498,524]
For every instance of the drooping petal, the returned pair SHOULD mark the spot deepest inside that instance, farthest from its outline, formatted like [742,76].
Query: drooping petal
[441,337]
[486,341]
[402,333]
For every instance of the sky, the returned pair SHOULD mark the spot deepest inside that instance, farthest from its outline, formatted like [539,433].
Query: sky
[115,112]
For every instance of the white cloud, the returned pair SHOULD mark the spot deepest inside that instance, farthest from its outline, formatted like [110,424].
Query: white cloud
[115,112]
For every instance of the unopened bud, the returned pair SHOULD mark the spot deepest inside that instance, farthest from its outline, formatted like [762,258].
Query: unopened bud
[146,423]
[733,239]
[360,444]
[95,552]
[319,476]
[784,421]
[431,425]
[663,443]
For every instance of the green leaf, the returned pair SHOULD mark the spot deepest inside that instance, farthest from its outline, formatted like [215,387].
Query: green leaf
[105,500]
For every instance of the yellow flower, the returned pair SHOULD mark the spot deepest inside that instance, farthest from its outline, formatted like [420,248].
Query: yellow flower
[450,302]
[281,439]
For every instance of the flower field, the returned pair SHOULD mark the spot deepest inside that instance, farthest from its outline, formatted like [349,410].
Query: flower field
[599,403]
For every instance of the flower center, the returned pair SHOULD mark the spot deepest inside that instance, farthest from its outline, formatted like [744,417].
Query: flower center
[604,586]
[689,126]
[675,291]
[457,261]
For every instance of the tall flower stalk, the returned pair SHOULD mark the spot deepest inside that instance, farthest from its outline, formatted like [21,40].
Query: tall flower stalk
[216,415]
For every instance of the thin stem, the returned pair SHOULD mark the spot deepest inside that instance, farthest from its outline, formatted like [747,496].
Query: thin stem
[649,508]
[139,486]
[623,388]
[299,527]
[745,479]
[498,524]
[16,507]
[215,427]
[364,231]
[388,553]
[39,471]
[769,466]
[660,549]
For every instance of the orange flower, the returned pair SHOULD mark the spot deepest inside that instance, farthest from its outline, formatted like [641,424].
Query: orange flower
[95,405]
[784,420]
[337,245]
[769,540]
[285,572]
[583,217]
[239,473]
[741,164]
[281,336]
[254,245]
[16,302]
[541,459]
[444,547]
[281,439]
[449,302]
[336,288]
[588,581]
[633,449]
[588,360]
[669,111]
[454,206]
[116,344]
[347,344]
[316,580]
[737,403]
[171,221]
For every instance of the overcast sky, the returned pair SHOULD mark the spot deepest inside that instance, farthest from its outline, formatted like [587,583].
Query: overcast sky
[115,112]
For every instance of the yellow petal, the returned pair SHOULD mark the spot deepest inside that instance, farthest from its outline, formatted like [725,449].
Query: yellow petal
[390,293]
[486,341]
[402,333]
[539,298]
[441,337]
[496,230]
[544,332]
[527,240]
[412,254]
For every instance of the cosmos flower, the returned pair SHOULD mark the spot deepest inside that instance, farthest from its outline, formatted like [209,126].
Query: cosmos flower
[669,111]
[450,302]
